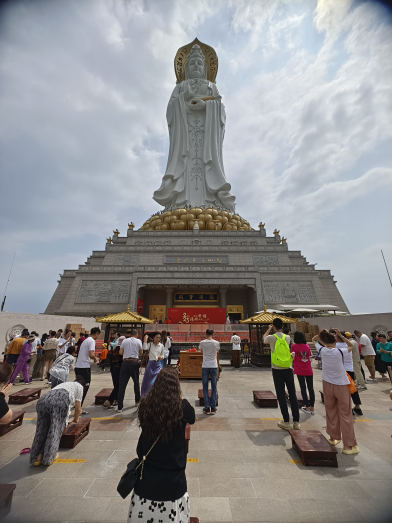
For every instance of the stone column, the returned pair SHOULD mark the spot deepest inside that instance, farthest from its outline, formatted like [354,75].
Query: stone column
[223,297]
[169,295]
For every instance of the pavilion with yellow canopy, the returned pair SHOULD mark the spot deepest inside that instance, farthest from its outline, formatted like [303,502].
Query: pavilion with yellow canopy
[122,322]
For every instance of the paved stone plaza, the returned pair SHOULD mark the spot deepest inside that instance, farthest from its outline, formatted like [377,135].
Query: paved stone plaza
[244,469]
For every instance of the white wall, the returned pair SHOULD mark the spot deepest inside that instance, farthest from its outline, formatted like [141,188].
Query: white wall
[39,323]
[363,323]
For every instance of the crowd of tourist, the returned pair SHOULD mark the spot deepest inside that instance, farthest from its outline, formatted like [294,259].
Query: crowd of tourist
[162,412]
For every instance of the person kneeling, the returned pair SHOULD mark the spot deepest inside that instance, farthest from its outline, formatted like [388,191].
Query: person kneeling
[53,411]
[5,411]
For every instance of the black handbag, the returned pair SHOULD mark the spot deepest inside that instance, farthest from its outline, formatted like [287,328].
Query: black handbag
[130,476]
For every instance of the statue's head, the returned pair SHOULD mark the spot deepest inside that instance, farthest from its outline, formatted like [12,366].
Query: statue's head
[196,64]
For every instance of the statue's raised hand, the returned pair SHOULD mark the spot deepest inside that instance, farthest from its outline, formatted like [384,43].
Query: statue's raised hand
[197,104]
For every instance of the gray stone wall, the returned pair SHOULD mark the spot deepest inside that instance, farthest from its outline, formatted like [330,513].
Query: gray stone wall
[257,270]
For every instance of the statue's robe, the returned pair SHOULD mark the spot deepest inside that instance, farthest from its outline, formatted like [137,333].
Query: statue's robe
[195,170]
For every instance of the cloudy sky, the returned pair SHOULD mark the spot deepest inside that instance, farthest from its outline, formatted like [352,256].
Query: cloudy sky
[84,86]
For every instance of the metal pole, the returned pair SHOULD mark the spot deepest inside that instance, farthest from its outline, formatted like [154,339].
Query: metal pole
[387,271]
[12,265]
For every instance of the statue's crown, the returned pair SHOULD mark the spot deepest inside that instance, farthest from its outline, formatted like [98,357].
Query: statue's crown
[196,51]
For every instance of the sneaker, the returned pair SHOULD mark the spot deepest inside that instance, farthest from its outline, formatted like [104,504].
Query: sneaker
[334,442]
[119,411]
[284,425]
[357,411]
[312,412]
[206,411]
[361,387]
[213,411]
[296,425]
[303,408]
[372,380]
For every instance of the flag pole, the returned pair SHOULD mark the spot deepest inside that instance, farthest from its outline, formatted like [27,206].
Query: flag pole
[387,271]
[12,265]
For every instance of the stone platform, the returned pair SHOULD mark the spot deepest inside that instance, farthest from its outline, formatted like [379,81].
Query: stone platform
[247,270]
[240,450]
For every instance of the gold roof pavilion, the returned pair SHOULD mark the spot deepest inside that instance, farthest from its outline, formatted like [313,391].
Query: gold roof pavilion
[125,317]
[267,318]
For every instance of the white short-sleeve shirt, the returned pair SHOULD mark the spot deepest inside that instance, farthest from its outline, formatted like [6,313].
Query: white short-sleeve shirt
[235,339]
[348,362]
[367,347]
[83,356]
[131,347]
[75,392]
[332,366]
[209,348]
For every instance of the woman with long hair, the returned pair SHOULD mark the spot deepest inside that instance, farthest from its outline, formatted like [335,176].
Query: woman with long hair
[156,355]
[337,398]
[161,493]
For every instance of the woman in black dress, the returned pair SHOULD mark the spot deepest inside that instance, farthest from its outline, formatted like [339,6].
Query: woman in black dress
[161,495]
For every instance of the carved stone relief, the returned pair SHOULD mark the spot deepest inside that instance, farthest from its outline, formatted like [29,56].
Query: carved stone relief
[265,260]
[121,260]
[91,291]
[289,292]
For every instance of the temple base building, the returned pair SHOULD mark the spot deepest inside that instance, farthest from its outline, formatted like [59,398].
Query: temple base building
[197,272]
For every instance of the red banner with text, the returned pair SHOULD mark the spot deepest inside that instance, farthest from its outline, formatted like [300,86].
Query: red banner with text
[196,315]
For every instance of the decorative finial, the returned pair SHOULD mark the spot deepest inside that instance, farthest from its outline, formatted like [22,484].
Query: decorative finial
[131,225]
[109,240]
[264,308]
[116,232]
[261,225]
[196,225]
[283,240]
[276,232]
[128,308]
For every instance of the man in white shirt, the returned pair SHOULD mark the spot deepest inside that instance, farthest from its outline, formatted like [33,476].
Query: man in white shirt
[64,343]
[131,349]
[357,363]
[83,365]
[33,353]
[236,351]
[209,347]
[368,353]
[283,376]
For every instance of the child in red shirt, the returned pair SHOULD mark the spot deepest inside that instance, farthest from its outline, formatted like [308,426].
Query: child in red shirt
[301,354]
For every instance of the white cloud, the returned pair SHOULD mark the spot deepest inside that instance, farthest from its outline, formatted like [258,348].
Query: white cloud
[84,89]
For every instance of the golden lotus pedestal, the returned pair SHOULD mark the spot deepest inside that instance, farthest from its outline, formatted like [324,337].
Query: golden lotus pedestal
[191,364]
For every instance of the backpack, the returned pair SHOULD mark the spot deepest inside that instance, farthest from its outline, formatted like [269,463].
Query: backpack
[281,356]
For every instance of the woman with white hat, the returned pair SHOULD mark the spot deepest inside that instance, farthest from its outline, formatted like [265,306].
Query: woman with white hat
[22,364]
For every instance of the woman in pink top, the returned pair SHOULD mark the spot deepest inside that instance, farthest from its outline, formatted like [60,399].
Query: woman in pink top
[301,354]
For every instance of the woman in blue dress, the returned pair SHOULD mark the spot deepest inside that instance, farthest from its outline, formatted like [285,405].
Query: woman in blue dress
[156,355]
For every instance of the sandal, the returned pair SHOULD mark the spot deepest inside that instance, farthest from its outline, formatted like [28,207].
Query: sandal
[84,412]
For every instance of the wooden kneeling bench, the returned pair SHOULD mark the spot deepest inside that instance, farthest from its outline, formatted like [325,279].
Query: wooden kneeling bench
[6,492]
[265,399]
[313,448]
[102,396]
[74,433]
[298,396]
[187,436]
[15,422]
[194,519]
[25,395]
[201,398]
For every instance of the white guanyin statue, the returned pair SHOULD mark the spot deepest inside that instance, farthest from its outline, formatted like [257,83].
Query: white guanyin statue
[196,119]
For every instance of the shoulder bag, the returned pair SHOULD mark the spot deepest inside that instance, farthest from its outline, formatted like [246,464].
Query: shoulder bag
[130,477]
